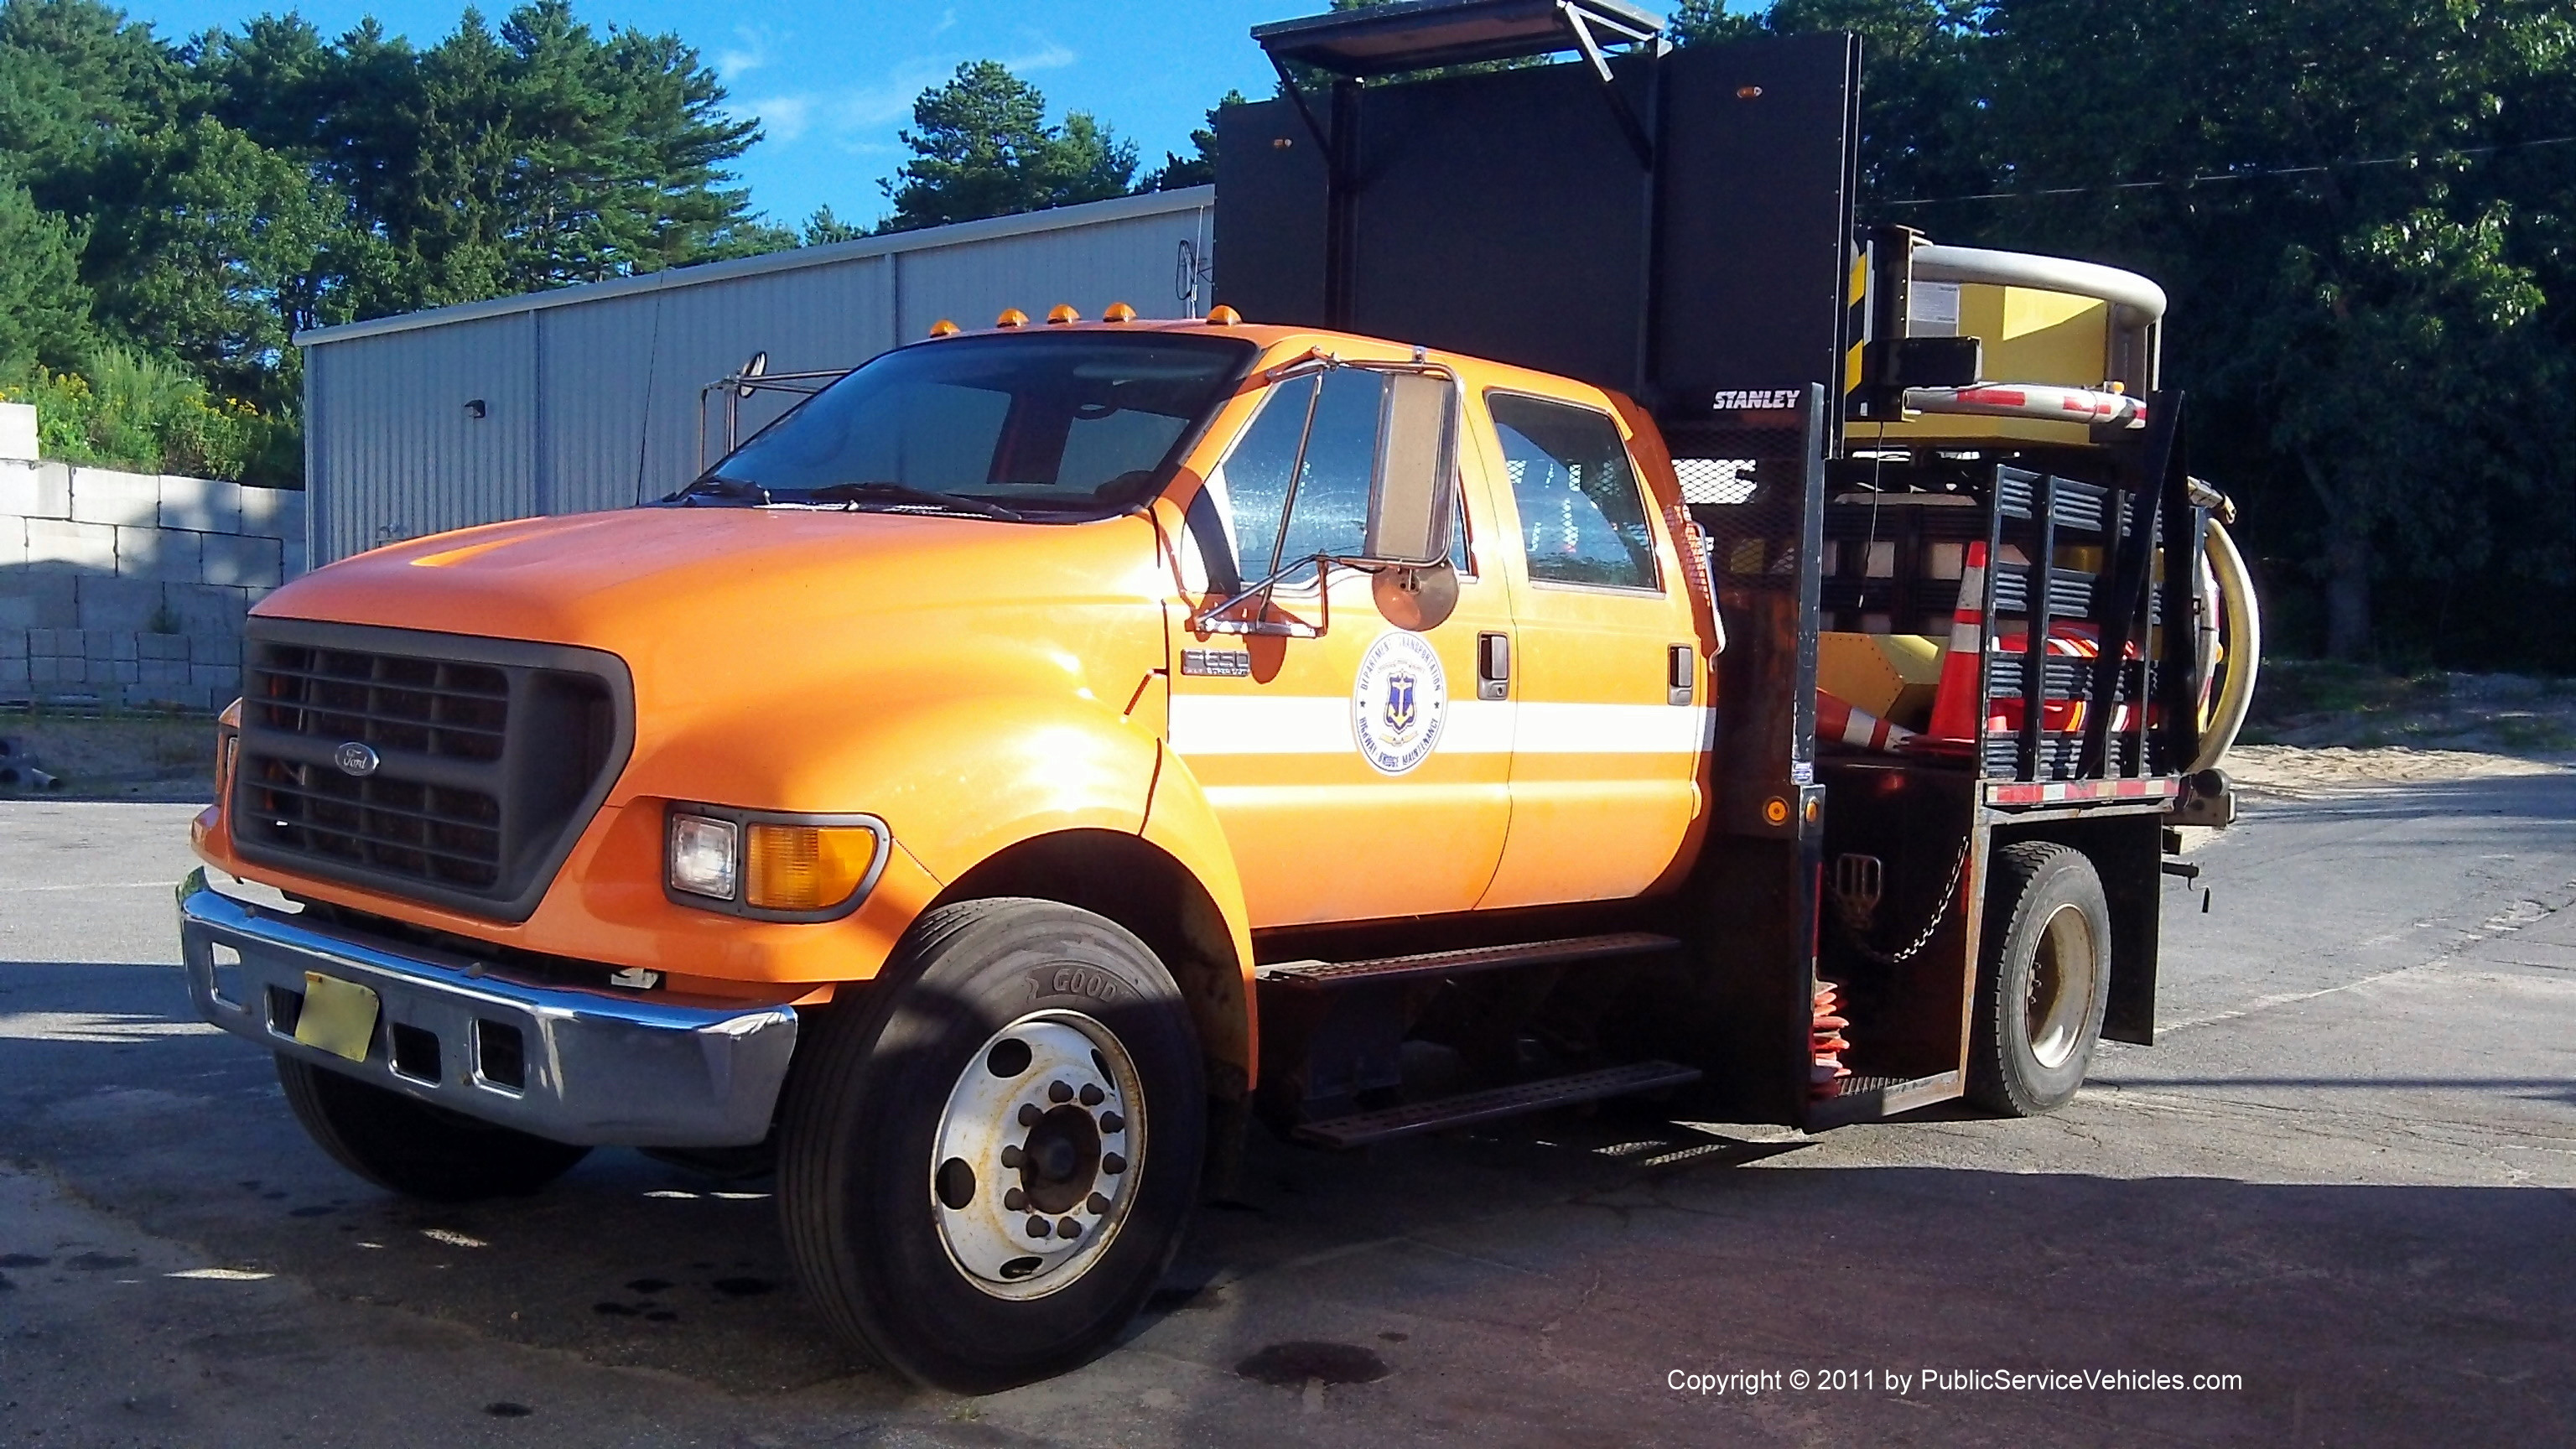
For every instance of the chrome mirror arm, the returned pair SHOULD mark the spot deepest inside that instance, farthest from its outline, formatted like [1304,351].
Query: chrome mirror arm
[1211,620]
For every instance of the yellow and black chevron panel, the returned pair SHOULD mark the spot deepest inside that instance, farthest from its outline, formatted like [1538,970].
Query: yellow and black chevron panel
[1856,319]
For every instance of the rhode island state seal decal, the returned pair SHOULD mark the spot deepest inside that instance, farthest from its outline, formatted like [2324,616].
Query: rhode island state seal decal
[1398,702]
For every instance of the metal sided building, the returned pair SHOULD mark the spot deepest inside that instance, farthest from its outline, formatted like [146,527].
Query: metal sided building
[590,397]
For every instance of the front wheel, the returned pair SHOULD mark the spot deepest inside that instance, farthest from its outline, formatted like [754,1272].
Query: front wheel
[987,1161]
[2046,979]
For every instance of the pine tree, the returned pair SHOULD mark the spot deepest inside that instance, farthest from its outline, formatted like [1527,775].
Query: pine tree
[982,147]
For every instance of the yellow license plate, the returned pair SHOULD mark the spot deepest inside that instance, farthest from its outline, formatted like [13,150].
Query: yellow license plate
[339,1016]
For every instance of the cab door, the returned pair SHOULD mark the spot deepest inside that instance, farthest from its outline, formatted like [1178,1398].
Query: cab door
[1350,782]
[1611,716]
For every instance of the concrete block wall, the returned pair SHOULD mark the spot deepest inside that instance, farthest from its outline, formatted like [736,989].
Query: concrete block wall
[128,590]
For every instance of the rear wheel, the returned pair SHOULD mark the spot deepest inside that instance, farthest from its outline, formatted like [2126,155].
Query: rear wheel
[416,1149]
[987,1161]
[2045,982]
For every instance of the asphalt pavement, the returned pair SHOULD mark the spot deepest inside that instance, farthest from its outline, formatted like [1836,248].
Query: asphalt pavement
[2342,1185]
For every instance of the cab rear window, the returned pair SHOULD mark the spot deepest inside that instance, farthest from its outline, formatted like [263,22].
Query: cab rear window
[1583,516]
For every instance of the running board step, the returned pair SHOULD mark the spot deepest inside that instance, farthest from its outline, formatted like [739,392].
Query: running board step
[1432,964]
[1359,1129]
[1870,1099]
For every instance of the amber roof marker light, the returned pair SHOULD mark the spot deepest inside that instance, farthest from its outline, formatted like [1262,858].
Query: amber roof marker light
[1062,313]
[944,328]
[1223,316]
[1012,317]
[1119,312]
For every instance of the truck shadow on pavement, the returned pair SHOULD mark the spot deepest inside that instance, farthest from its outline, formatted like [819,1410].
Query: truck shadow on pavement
[1593,1252]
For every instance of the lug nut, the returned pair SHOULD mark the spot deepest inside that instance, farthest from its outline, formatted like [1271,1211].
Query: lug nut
[1112,1122]
[1010,1157]
[1039,1229]
[1015,1200]
[1059,1091]
[1068,1229]
[1112,1163]
[1098,1204]
[1029,1114]
[1091,1094]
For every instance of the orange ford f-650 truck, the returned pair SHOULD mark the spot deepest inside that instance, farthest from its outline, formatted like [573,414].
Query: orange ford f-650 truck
[1049,748]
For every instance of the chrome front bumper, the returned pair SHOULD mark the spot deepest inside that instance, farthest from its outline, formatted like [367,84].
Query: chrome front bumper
[577,1066]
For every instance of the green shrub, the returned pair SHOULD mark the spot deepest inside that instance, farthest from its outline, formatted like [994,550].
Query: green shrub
[137,412]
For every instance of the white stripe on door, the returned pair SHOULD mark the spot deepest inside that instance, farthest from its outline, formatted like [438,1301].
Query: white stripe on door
[1304,724]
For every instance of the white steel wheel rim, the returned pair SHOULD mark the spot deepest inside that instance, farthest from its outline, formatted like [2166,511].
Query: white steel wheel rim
[2061,986]
[1037,1157]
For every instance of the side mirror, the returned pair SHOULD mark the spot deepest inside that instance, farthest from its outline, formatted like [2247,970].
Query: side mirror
[1412,501]
[1413,496]
[1416,599]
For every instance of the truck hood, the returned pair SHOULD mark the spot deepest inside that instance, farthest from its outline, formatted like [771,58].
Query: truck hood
[948,675]
[761,640]
[627,579]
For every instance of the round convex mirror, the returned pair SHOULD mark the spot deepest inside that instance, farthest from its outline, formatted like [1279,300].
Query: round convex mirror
[1416,599]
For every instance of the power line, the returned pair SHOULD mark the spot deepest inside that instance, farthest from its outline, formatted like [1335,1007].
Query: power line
[2235,175]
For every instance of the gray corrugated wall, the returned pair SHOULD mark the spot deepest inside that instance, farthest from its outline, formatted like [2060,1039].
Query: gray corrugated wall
[603,360]
[593,401]
[421,463]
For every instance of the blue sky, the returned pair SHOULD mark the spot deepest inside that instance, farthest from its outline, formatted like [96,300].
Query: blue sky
[832,83]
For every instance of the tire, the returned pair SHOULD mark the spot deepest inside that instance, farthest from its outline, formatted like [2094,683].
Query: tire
[908,1224]
[2045,982]
[416,1149]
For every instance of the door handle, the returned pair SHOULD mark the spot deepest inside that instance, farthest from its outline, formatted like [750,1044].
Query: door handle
[1681,674]
[1493,666]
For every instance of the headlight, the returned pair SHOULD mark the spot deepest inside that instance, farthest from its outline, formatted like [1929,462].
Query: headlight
[702,856]
[773,866]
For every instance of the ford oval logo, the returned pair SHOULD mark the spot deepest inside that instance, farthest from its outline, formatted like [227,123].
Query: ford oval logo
[355,758]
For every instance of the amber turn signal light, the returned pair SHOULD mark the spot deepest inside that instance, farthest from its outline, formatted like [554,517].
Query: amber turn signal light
[806,867]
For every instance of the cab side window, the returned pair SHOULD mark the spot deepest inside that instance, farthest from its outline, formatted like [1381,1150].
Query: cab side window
[1330,514]
[1324,429]
[1583,516]
[1236,519]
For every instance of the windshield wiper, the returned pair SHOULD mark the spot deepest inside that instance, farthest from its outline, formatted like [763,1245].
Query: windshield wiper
[716,485]
[905,493]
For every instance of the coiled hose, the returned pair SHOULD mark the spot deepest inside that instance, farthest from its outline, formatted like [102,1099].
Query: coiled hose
[2243,658]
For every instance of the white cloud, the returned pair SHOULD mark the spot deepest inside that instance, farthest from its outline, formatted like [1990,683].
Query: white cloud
[859,120]
[750,53]
[1048,56]
[784,118]
[947,22]
[888,100]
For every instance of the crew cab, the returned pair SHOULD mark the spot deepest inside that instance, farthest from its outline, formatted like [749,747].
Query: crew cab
[910,791]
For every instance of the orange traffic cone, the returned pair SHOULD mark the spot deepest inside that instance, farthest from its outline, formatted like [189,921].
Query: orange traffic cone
[2072,639]
[1837,720]
[1826,1044]
[1954,703]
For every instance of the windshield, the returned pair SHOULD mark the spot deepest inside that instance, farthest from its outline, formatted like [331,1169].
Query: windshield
[1067,424]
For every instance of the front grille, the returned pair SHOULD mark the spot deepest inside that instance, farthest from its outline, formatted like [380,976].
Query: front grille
[449,769]
[448,836]
[428,706]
